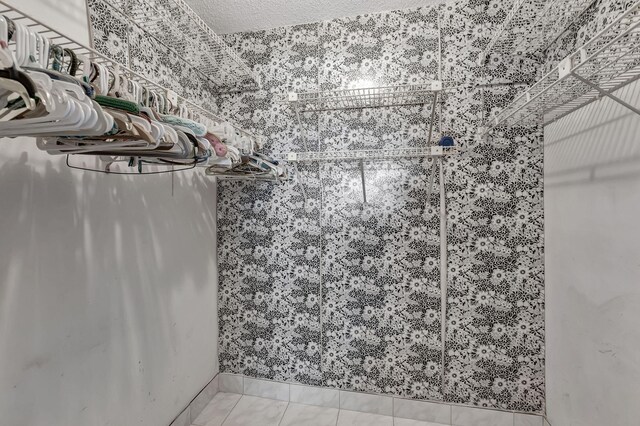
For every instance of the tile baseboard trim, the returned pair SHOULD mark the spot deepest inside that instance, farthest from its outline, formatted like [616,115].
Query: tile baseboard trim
[332,397]
[197,404]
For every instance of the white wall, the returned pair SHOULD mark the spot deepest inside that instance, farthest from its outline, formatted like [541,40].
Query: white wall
[107,286]
[592,207]
[66,16]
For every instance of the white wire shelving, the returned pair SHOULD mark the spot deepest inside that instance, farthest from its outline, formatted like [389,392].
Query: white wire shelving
[86,53]
[372,154]
[373,97]
[532,25]
[176,25]
[361,98]
[606,63]
[435,152]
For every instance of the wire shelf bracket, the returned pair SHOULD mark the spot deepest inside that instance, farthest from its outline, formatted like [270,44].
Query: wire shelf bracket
[605,64]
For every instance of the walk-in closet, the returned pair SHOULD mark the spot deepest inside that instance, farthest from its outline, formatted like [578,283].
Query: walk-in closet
[319,213]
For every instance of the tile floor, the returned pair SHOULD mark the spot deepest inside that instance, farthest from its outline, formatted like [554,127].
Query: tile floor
[230,409]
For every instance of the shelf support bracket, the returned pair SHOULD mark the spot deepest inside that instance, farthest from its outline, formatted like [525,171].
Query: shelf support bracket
[294,98]
[435,159]
[300,183]
[364,186]
[303,132]
[433,118]
[431,181]
[605,93]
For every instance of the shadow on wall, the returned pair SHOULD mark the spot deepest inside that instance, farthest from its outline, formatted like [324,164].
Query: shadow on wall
[67,16]
[592,196]
[93,269]
[599,143]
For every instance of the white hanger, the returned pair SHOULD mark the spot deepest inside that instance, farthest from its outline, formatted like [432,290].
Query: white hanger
[103,79]
[4,29]
[22,41]
[33,56]
[45,50]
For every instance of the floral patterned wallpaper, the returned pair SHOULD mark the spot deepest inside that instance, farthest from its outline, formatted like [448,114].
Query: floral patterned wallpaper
[596,18]
[127,43]
[338,293]
[317,287]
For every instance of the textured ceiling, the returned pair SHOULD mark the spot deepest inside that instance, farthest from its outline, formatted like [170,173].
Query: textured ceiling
[231,16]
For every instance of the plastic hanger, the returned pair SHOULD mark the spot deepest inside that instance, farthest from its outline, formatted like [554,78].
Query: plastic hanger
[4,29]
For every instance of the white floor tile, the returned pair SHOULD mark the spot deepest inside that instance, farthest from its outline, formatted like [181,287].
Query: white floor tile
[408,422]
[266,389]
[231,383]
[470,416]
[309,415]
[422,410]
[355,418]
[315,396]
[203,399]
[217,410]
[528,420]
[376,404]
[254,411]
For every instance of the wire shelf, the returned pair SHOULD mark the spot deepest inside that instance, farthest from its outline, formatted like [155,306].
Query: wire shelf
[532,25]
[94,56]
[375,97]
[608,62]
[176,25]
[373,154]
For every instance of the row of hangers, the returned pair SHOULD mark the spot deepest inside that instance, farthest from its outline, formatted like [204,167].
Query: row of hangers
[74,105]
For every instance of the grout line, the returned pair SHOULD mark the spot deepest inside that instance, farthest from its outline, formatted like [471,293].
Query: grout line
[431,401]
[188,407]
[231,411]
[393,410]
[283,414]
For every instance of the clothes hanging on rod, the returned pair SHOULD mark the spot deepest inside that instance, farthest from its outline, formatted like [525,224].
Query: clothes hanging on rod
[79,105]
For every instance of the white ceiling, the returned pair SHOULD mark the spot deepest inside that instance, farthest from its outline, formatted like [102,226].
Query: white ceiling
[231,16]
